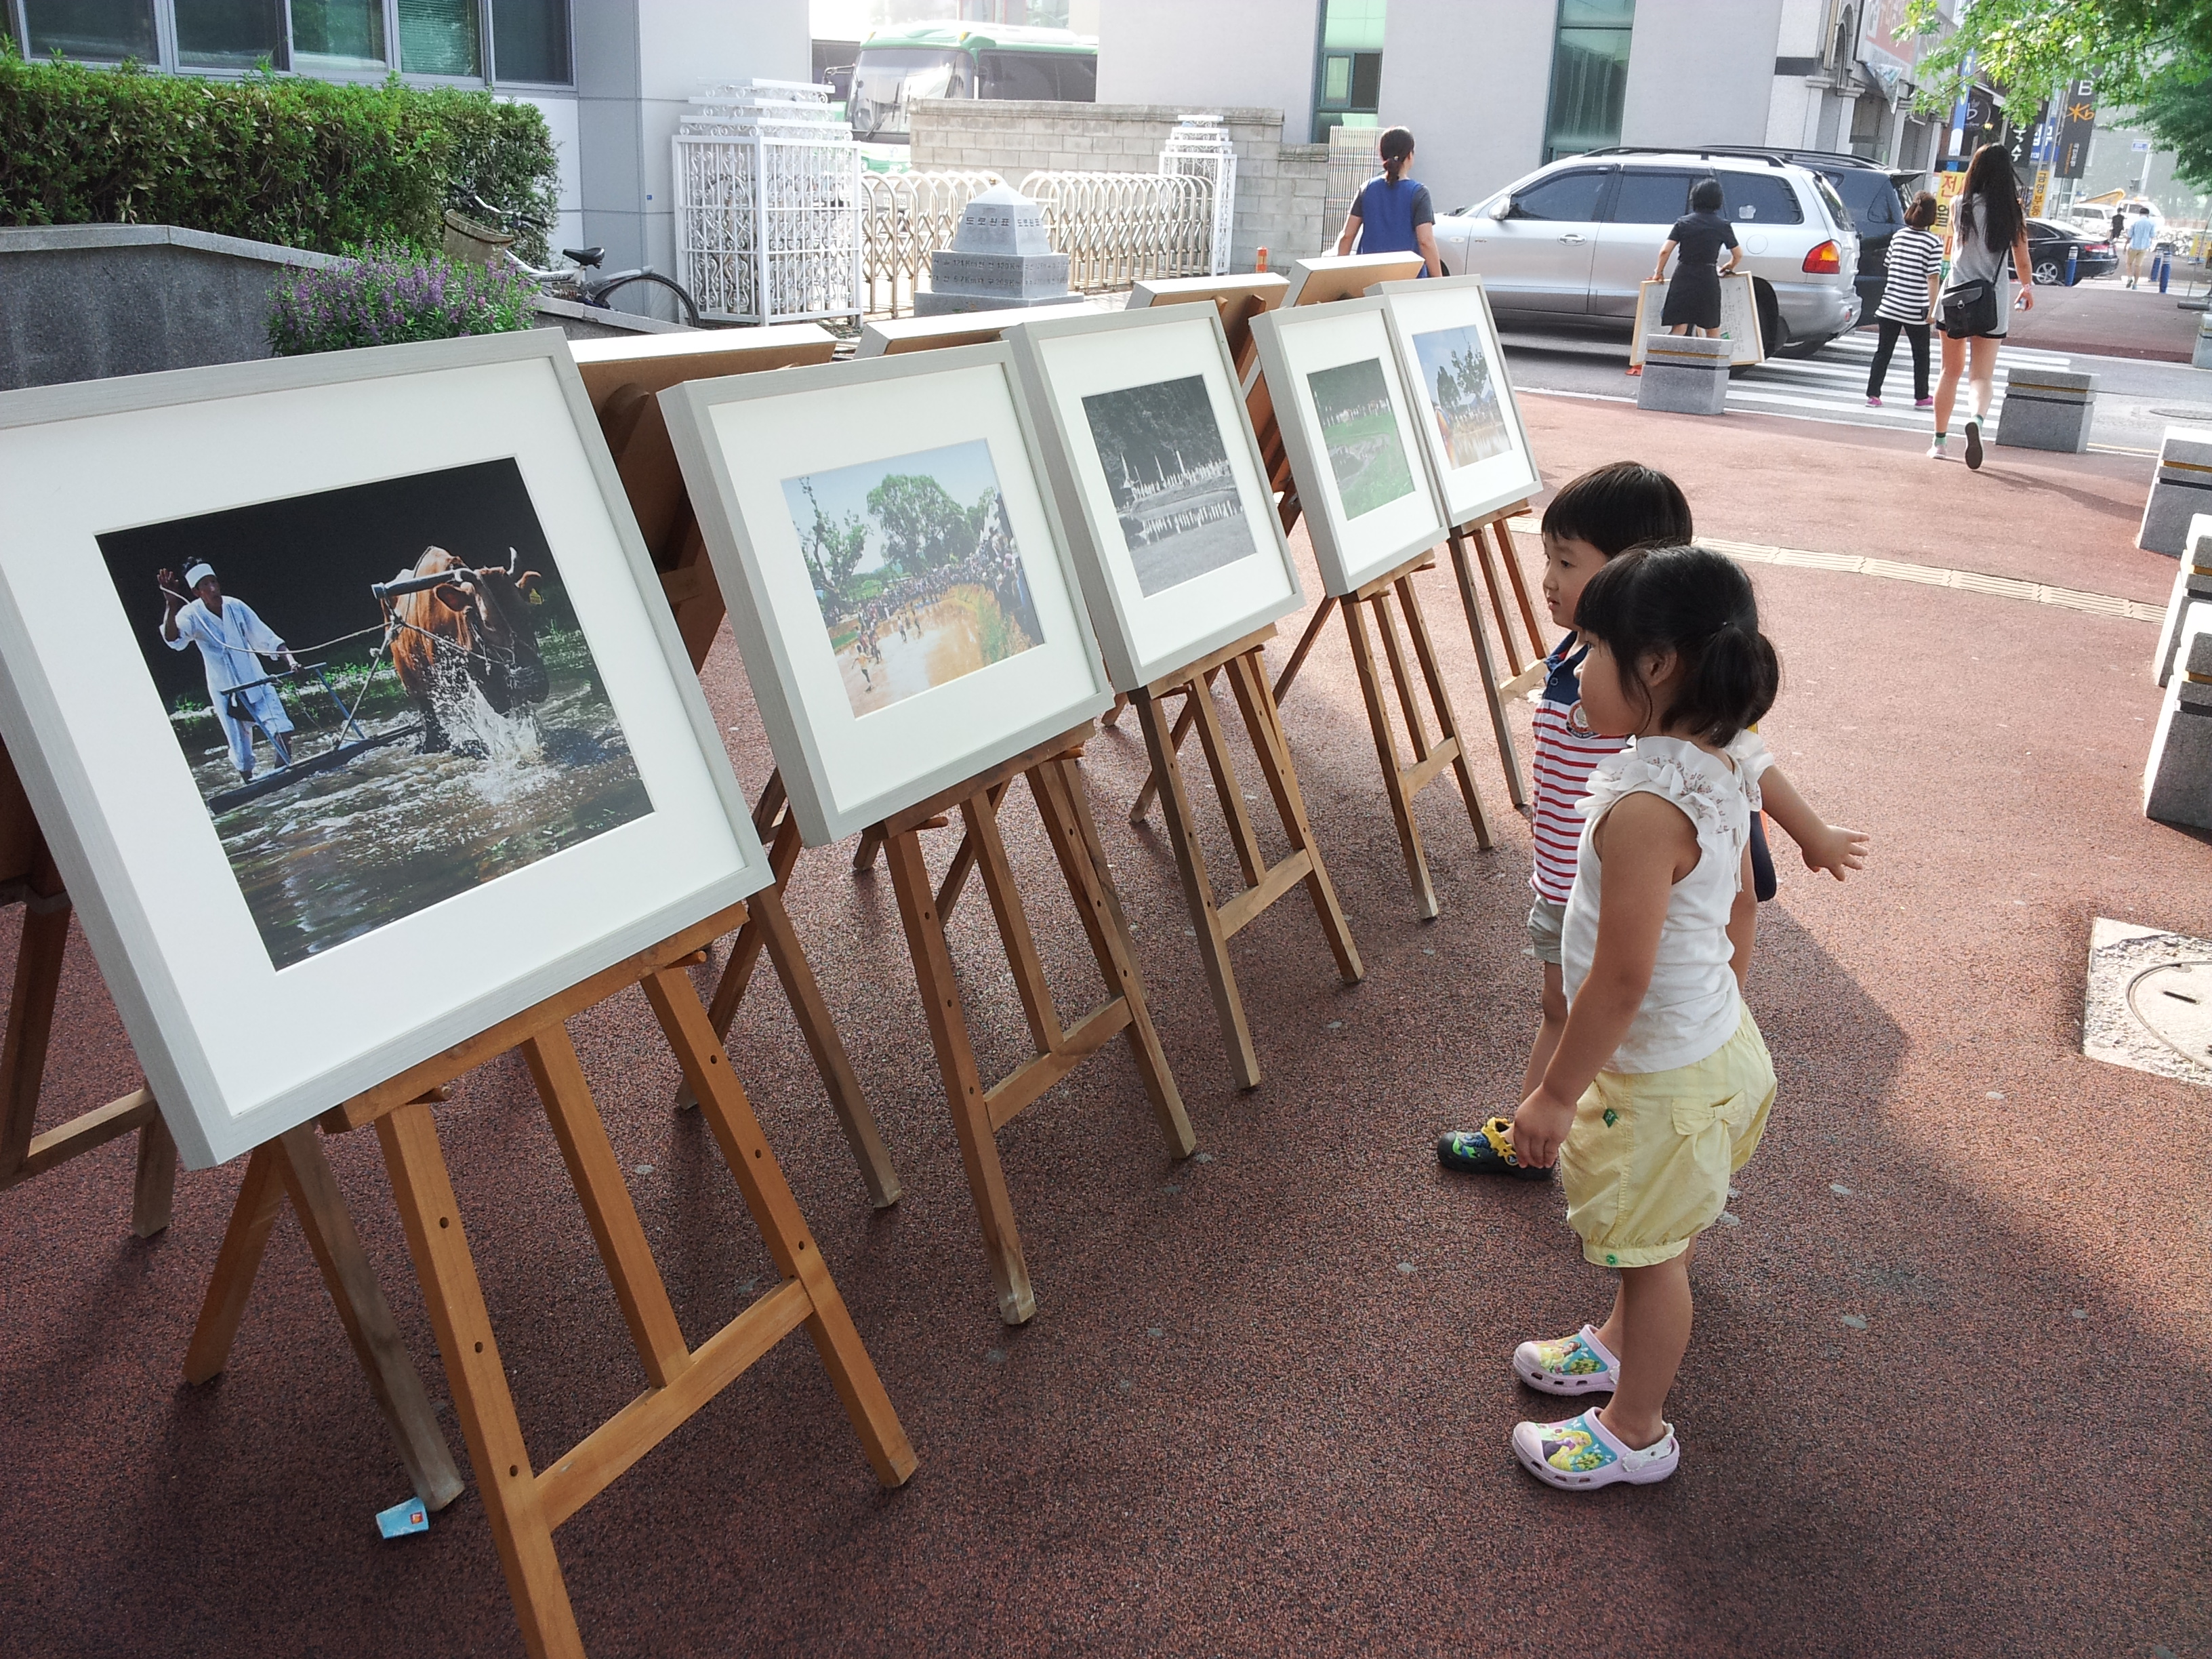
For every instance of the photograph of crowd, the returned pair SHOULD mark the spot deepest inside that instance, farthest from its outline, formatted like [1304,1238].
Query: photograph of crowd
[914,565]
[1455,374]
[1174,491]
[383,693]
[1365,450]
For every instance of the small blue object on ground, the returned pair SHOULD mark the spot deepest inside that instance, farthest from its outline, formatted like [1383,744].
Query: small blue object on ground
[413,1515]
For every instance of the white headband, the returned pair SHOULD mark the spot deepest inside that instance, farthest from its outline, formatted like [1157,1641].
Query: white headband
[198,573]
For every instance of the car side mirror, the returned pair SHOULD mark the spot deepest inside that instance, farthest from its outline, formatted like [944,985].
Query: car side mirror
[1502,210]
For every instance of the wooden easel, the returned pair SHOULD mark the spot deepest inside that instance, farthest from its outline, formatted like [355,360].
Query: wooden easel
[1469,544]
[285,1165]
[1214,925]
[978,1111]
[28,876]
[957,328]
[525,1504]
[623,379]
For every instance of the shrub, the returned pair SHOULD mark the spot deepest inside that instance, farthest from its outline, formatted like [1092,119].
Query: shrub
[390,295]
[276,159]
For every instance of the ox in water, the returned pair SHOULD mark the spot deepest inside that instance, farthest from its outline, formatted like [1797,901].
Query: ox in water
[400,706]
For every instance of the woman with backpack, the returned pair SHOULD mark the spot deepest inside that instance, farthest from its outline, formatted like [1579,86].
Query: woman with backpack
[1393,213]
[1988,227]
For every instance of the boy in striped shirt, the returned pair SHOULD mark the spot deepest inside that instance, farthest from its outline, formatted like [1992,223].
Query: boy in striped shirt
[1602,514]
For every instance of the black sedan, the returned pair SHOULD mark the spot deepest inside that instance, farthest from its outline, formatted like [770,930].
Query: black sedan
[2047,244]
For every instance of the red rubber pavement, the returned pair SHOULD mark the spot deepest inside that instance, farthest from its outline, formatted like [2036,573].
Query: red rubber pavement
[1263,1406]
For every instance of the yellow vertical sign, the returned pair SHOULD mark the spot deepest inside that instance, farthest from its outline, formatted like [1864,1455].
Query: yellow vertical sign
[1948,187]
[2042,189]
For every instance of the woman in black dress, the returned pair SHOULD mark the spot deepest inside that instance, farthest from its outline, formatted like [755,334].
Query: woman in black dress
[1693,298]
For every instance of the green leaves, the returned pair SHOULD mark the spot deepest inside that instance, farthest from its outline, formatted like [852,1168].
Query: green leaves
[273,159]
[2030,49]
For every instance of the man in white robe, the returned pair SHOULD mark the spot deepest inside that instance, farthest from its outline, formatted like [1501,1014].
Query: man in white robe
[232,641]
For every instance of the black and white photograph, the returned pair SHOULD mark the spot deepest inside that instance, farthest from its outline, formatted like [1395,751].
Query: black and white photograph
[1175,493]
[916,570]
[1360,427]
[383,692]
[1461,388]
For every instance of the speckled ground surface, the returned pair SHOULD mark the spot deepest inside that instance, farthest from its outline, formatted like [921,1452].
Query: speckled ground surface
[1957,1407]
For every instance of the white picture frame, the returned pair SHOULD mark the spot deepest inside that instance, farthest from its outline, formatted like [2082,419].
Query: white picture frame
[871,702]
[1362,472]
[1477,444]
[1162,484]
[236,1049]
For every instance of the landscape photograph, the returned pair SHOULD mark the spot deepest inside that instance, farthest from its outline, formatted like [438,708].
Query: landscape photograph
[1174,491]
[1366,451]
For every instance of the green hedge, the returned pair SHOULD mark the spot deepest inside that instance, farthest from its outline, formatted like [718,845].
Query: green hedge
[302,162]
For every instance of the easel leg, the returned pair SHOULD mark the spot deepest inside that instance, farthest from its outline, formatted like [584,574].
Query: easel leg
[30,1025]
[1520,585]
[393,1378]
[154,1185]
[424,1195]
[1058,788]
[1198,891]
[1425,653]
[259,1198]
[1481,546]
[1186,717]
[963,1085]
[1304,648]
[776,1212]
[1248,678]
[1506,756]
[1386,751]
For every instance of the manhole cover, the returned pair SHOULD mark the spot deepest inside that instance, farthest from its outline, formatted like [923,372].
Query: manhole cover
[2174,1001]
[2186,413]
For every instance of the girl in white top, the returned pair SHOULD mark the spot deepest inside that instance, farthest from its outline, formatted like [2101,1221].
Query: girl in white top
[1661,1084]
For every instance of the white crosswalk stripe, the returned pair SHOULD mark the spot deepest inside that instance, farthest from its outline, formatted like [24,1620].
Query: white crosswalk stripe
[1832,383]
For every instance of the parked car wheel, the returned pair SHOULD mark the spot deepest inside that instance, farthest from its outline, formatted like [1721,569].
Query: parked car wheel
[2049,273]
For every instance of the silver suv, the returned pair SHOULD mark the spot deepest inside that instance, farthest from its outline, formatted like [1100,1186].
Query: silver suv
[1576,238]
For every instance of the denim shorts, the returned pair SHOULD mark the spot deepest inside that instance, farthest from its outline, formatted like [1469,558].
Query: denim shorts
[1547,920]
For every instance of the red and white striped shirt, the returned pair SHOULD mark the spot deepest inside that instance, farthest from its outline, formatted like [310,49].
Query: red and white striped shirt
[1566,751]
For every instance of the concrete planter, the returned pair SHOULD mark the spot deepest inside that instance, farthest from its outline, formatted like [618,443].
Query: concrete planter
[82,302]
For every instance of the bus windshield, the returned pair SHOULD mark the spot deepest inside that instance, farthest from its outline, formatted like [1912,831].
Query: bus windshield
[886,82]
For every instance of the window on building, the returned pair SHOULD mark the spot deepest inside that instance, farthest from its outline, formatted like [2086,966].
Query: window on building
[1870,125]
[528,39]
[1348,65]
[232,34]
[1589,75]
[105,31]
[335,36]
[1651,198]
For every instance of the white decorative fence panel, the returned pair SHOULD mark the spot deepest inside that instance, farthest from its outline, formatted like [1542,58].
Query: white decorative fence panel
[1200,147]
[904,218]
[767,205]
[1118,228]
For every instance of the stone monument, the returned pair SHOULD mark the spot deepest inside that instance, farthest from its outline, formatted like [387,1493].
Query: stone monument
[1685,374]
[999,260]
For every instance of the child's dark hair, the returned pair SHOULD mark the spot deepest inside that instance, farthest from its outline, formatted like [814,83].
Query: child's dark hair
[1615,506]
[1699,605]
[1706,196]
[1920,213]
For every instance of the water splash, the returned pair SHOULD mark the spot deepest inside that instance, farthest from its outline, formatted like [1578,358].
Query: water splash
[511,750]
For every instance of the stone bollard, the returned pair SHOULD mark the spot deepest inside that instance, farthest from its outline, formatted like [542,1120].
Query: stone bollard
[2178,781]
[2192,589]
[2201,358]
[1685,374]
[2181,488]
[2048,408]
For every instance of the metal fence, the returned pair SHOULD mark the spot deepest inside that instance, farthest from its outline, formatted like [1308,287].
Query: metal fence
[904,218]
[1117,228]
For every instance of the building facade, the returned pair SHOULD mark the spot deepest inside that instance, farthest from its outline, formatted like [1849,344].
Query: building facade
[612,75]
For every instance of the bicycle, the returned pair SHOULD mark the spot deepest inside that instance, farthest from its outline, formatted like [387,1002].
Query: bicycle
[582,282]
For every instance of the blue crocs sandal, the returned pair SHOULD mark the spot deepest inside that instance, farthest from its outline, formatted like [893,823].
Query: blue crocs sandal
[1573,1365]
[1582,1455]
[1486,1151]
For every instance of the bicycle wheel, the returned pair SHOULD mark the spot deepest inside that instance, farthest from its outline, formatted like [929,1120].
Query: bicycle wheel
[649,294]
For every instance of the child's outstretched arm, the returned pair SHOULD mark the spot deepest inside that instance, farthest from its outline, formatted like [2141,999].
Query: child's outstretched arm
[1647,846]
[1825,846]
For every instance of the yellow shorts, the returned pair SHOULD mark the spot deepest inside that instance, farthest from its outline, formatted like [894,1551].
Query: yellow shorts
[1646,1166]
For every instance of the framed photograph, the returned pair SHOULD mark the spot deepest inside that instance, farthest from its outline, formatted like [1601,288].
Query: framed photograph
[1447,347]
[1351,428]
[351,709]
[896,571]
[1161,484]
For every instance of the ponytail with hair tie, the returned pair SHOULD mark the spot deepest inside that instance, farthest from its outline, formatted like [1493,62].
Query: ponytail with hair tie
[1698,603]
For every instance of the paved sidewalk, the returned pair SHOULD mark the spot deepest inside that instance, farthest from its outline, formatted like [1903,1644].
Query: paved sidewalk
[2106,318]
[1948,1391]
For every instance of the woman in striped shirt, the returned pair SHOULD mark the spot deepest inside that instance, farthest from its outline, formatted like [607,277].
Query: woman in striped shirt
[1916,265]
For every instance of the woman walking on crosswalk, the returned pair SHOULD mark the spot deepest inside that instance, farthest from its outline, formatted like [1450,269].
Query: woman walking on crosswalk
[1908,295]
[1988,227]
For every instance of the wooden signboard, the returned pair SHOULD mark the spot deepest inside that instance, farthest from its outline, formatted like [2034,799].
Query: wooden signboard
[1739,320]
[905,334]
[1239,298]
